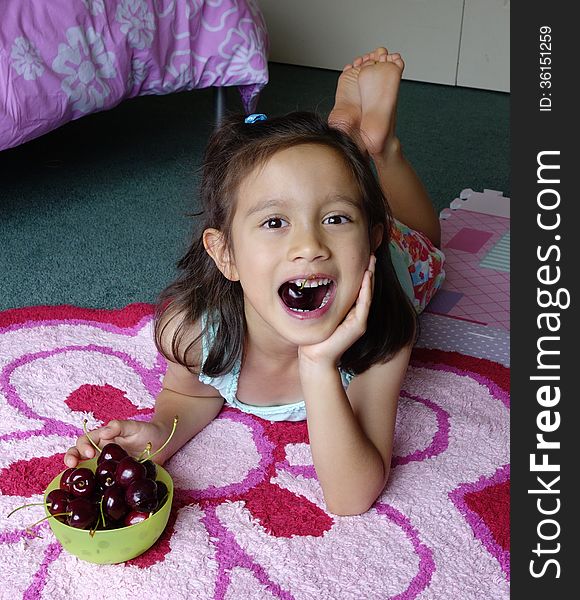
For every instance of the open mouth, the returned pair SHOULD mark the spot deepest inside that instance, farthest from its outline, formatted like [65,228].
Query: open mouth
[306,295]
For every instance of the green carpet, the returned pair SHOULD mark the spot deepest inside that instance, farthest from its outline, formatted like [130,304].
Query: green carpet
[93,214]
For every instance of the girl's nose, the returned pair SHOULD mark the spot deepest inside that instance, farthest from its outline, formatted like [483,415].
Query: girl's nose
[307,244]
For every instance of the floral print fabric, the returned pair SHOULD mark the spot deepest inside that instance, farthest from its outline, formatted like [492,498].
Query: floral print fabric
[80,56]
[424,262]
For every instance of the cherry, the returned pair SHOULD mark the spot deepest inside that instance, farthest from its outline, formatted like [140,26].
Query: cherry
[114,504]
[105,473]
[64,483]
[57,502]
[141,495]
[151,469]
[82,513]
[111,451]
[129,470]
[134,517]
[82,482]
[162,494]
[111,524]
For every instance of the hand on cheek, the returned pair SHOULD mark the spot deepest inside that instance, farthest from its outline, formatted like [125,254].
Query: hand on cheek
[348,332]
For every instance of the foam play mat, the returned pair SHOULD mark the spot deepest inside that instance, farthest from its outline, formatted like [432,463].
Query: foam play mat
[248,519]
[475,234]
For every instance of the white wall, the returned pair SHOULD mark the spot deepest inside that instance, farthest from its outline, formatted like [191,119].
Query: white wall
[428,33]
[484,55]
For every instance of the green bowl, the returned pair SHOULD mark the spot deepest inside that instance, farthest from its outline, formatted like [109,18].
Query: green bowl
[111,546]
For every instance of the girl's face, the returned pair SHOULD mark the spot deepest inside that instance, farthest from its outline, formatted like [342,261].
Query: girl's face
[300,244]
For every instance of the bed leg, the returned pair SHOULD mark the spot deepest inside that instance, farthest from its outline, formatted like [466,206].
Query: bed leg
[219,103]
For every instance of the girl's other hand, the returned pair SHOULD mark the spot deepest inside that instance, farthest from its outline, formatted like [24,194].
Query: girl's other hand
[133,436]
[348,332]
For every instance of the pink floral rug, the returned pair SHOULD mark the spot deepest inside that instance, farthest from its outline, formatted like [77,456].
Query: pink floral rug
[248,520]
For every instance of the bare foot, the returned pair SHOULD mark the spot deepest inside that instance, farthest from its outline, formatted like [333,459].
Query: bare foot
[378,83]
[346,113]
[350,112]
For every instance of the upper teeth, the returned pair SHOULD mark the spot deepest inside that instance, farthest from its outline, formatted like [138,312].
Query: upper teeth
[310,283]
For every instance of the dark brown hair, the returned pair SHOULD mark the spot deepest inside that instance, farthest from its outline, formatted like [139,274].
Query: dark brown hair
[234,150]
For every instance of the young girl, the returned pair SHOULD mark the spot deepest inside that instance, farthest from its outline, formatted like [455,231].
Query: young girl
[299,299]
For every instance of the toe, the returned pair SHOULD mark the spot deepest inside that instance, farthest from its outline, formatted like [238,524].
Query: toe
[358,61]
[380,51]
[396,59]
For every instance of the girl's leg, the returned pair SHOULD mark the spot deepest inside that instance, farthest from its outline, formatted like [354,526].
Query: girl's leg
[367,111]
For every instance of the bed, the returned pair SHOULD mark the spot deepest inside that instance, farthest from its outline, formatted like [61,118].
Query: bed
[64,59]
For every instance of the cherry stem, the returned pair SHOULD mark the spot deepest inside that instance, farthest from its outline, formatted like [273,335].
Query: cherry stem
[301,286]
[64,514]
[92,532]
[150,457]
[33,533]
[25,505]
[146,453]
[89,437]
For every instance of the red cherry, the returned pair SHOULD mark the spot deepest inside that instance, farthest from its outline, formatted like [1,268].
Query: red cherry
[162,494]
[83,513]
[64,483]
[151,469]
[111,451]
[57,502]
[114,504]
[135,517]
[105,473]
[141,495]
[82,482]
[129,470]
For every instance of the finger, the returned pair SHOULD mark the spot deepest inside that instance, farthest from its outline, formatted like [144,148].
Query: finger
[113,429]
[363,303]
[372,269]
[369,274]
[362,291]
[84,446]
[98,437]
[72,457]
[118,428]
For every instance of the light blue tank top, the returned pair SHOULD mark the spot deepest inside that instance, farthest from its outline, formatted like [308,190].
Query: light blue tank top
[227,386]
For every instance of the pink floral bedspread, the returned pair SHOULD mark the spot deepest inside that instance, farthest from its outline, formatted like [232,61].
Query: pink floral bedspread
[63,59]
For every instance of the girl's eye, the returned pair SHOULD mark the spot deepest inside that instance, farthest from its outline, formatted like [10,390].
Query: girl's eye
[273,223]
[337,220]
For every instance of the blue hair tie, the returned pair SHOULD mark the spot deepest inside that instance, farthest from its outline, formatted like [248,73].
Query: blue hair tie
[255,117]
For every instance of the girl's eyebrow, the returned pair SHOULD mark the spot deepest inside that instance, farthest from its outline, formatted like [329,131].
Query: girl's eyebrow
[353,203]
[283,203]
[267,205]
